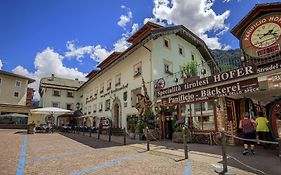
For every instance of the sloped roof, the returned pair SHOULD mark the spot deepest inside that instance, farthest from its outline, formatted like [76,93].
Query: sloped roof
[257,11]
[149,26]
[16,75]
[60,82]
[111,58]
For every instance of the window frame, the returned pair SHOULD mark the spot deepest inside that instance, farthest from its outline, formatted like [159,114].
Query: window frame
[101,88]
[138,69]
[71,93]
[168,42]
[170,67]
[181,48]
[17,81]
[59,94]
[56,103]
[118,79]
[109,84]
[17,93]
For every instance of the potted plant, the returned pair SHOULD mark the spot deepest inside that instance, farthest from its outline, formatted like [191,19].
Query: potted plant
[189,71]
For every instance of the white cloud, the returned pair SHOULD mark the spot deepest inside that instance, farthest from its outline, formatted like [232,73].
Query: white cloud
[135,28]
[198,16]
[46,63]
[1,64]
[97,53]
[226,1]
[124,19]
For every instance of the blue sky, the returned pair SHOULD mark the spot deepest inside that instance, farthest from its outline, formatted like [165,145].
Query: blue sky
[69,37]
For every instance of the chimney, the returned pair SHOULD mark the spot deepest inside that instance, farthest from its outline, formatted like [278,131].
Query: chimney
[53,76]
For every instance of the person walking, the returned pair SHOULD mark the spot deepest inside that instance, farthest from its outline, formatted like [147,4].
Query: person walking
[249,132]
[262,128]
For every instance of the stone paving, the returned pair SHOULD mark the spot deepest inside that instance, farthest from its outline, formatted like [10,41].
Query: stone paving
[76,154]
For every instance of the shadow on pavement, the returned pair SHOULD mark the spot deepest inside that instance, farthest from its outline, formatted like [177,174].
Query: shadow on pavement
[90,141]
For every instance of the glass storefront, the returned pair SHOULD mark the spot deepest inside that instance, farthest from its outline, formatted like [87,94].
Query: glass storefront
[199,116]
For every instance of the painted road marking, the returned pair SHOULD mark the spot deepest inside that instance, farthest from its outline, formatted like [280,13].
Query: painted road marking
[20,169]
[107,164]
[187,168]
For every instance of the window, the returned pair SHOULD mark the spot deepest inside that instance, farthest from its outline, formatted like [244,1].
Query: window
[108,85]
[1,80]
[70,94]
[69,106]
[192,56]
[56,104]
[56,93]
[100,106]
[137,69]
[96,92]
[200,116]
[134,99]
[18,83]
[101,88]
[118,80]
[89,109]
[181,50]
[107,105]
[168,67]
[16,94]
[94,108]
[166,43]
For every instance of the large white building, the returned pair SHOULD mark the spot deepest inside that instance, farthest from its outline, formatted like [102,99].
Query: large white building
[155,52]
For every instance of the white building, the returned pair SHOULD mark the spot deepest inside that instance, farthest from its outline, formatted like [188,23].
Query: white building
[155,52]
[110,92]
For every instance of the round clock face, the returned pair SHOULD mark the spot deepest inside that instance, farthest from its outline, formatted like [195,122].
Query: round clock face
[265,35]
[261,38]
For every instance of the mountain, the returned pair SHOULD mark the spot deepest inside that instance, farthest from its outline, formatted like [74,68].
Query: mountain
[227,56]
[227,59]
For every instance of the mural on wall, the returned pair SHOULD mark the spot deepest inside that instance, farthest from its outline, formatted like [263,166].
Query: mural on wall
[144,101]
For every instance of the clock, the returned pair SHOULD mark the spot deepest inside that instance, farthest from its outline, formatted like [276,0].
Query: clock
[261,38]
[265,35]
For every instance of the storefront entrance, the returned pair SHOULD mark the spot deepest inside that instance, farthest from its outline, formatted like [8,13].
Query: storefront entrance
[116,116]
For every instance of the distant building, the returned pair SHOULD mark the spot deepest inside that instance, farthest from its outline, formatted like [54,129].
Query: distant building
[13,96]
[58,92]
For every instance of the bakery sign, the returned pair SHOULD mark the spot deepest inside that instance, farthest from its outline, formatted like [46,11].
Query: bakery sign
[238,88]
[219,78]
[262,37]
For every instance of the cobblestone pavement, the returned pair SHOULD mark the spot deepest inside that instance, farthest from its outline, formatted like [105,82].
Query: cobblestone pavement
[76,154]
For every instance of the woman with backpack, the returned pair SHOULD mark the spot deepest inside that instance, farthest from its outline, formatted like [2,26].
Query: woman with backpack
[249,132]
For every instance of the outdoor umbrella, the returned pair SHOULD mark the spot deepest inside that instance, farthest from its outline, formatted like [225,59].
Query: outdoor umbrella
[51,111]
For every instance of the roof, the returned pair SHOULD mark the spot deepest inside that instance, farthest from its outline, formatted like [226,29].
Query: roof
[154,33]
[92,73]
[111,58]
[143,31]
[257,11]
[16,75]
[60,82]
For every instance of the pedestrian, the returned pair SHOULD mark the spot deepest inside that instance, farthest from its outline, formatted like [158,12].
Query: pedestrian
[249,128]
[262,128]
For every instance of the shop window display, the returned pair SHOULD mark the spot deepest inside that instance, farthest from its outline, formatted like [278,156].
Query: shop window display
[199,116]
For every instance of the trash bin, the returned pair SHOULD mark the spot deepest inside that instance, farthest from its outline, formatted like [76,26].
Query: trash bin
[30,128]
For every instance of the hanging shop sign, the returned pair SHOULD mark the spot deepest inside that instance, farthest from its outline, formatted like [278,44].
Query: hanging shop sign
[237,88]
[262,37]
[223,77]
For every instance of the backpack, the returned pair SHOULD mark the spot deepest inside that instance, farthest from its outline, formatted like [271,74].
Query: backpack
[247,126]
